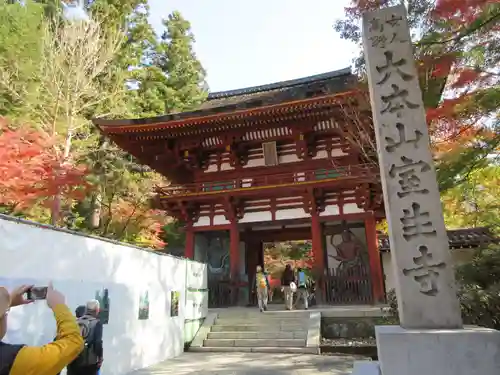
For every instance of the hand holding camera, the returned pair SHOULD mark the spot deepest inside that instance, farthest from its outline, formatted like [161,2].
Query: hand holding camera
[27,294]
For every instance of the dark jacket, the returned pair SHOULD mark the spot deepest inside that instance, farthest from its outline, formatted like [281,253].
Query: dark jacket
[288,277]
[95,344]
[8,354]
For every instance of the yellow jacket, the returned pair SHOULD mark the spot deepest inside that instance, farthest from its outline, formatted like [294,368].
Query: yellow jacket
[50,359]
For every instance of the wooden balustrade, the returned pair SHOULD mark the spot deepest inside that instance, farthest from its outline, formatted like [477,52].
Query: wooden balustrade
[272,180]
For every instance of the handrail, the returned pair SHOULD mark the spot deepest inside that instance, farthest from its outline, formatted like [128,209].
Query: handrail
[273,180]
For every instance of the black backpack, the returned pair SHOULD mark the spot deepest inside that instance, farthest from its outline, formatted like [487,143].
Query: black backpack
[87,357]
[8,355]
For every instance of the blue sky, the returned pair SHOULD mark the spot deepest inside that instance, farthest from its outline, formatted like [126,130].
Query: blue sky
[247,43]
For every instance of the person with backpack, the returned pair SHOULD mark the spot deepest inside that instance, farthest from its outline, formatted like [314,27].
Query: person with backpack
[302,294]
[262,288]
[90,359]
[39,360]
[288,286]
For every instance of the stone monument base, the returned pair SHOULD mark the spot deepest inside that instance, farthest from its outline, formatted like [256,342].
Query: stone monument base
[468,351]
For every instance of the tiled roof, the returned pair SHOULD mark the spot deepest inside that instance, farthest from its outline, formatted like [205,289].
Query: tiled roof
[457,238]
[334,82]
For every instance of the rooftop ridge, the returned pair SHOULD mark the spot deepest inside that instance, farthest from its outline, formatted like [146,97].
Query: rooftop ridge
[278,85]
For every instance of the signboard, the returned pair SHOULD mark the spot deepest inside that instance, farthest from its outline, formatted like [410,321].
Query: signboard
[196,305]
[196,275]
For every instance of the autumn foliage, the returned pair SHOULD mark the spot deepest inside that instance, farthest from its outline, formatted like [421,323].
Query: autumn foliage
[30,170]
[457,61]
[295,253]
[135,223]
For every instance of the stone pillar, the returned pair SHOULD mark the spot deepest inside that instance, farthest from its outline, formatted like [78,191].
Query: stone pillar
[376,271]
[189,243]
[430,339]
[424,276]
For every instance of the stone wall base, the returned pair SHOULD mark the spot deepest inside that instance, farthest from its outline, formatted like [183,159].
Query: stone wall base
[468,351]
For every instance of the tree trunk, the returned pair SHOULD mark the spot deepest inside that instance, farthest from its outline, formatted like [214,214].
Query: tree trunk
[56,203]
[95,217]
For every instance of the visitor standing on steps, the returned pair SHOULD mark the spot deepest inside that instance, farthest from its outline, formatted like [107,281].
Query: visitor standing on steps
[262,288]
[90,359]
[302,294]
[287,286]
[48,359]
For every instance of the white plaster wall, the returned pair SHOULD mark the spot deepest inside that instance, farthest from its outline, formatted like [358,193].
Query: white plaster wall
[202,221]
[331,209]
[253,217]
[352,208]
[220,220]
[330,249]
[323,154]
[211,168]
[291,213]
[226,167]
[255,163]
[290,158]
[79,266]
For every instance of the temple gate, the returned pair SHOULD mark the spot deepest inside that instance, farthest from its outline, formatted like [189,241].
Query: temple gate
[269,163]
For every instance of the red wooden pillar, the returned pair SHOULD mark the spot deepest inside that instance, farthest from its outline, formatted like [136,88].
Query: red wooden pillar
[234,251]
[319,256]
[189,244]
[317,243]
[376,271]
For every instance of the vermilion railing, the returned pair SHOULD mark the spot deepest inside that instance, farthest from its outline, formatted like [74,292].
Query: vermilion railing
[275,180]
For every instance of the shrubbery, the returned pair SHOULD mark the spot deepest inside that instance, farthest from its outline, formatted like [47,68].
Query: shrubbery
[478,288]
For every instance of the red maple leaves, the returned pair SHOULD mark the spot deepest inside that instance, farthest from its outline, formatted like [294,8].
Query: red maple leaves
[30,171]
[461,11]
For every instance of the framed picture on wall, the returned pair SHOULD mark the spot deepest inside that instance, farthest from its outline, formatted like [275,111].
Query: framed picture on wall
[144,305]
[174,303]
[102,296]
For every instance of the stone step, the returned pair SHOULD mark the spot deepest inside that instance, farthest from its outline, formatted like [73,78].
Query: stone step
[259,343]
[265,316]
[232,322]
[278,349]
[270,314]
[257,328]
[258,335]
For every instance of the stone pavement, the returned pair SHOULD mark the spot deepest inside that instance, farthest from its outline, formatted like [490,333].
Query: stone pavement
[252,364]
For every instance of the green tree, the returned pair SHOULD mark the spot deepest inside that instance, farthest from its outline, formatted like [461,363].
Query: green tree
[480,288]
[456,45]
[171,79]
[20,54]
[475,202]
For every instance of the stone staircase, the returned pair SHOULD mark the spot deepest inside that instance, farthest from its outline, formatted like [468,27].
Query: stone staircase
[245,330]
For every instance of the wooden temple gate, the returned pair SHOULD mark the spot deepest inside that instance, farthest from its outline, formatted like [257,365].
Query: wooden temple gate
[275,161]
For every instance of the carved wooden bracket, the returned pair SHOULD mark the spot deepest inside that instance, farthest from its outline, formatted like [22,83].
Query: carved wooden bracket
[314,201]
[194,159]
[233,208]
[305,146]
[187,211]
[363,197]
[238,154]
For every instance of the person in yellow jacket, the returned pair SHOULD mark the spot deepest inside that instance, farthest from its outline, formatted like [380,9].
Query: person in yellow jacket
[48,359]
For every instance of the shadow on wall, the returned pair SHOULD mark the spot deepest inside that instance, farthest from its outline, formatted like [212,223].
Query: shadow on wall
[80,267]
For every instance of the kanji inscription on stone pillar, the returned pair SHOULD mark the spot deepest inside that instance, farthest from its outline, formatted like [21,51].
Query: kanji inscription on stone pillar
[424,276]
